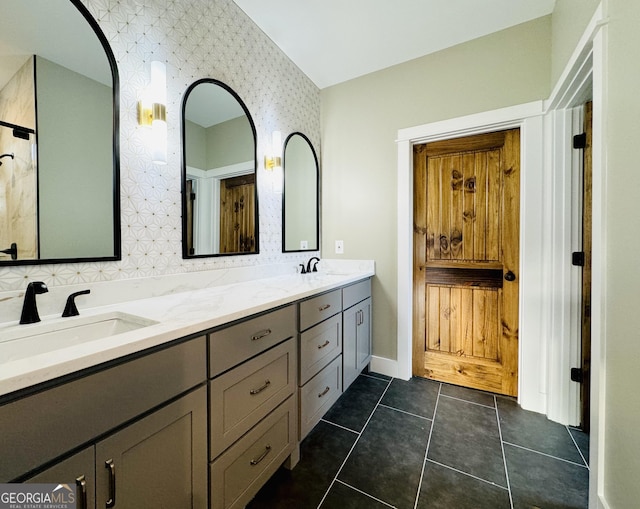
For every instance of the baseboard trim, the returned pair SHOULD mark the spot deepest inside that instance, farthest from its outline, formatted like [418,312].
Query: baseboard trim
[384,366]
[602,503]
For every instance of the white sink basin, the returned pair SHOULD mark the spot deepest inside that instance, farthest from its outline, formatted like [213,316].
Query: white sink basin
[18,342]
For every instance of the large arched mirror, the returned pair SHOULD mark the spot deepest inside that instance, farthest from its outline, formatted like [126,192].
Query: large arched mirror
[300,226]
[59,195]
[219,196]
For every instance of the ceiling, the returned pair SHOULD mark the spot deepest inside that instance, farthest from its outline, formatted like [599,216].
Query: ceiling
[337,40]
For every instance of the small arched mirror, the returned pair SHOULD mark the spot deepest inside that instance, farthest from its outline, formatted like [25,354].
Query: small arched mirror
[300,228]
[219,196]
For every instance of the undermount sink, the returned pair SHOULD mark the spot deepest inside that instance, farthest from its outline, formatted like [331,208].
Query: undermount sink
[27,340]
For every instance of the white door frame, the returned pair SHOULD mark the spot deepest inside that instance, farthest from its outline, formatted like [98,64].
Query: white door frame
[546,199]
[529,118]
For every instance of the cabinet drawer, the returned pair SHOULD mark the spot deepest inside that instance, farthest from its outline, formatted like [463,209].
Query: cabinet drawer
[233,345]
[317,396]
[240,472]
[316,309]
[241,397]
[318,346]
[355,293]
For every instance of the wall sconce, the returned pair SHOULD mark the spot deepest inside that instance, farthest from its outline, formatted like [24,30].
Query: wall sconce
[152,111]
[273,162]
[273,159]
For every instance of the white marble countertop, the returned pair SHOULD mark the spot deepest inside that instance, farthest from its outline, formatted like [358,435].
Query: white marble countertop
[177,315]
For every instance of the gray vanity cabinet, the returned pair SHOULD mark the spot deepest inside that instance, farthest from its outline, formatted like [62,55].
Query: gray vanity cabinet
[356,330]
[140,427]
[155,462]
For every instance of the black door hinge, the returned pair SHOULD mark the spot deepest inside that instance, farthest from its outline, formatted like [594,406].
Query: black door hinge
[576,375]
[577,258]
[192,196]
[580,141]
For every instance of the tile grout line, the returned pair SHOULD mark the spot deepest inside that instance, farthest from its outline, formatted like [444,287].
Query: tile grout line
[426,452]
[341,427]
[467,401]
[354,444]
[406,413]
[547,455]
[504,457]
[365,493]
[577,447]
[490,483]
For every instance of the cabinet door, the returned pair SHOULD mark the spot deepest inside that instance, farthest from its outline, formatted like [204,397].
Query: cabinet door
[356,340]
[349,342]
[80,470]
[159,461]
[363,337]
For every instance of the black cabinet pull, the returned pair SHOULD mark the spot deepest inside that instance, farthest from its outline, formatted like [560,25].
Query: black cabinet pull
[111,502]
[81,485]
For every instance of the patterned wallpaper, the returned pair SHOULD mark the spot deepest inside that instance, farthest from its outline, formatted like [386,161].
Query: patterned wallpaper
[196,39]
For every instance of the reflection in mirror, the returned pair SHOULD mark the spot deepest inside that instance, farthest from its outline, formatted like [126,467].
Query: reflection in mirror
[300,198]
[219,198]
[59,196]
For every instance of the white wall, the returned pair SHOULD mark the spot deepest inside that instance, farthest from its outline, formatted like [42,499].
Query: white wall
[621,313]
[360,121]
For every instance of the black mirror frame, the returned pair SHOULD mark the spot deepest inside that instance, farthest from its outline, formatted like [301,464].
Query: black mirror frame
[185,254]
[284,190]
[117,242]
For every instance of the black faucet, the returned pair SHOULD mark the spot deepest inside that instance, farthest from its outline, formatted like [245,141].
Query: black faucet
[29,308]
[71,309]
[315,265]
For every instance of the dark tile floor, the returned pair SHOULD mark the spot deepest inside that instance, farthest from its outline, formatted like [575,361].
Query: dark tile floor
[426,445]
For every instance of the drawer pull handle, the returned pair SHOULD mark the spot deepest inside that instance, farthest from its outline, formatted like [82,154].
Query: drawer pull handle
[267,450]
[81,484]
[111,502]
[324,308]
[253,392]
[261,334]
[323,393]
[326,343]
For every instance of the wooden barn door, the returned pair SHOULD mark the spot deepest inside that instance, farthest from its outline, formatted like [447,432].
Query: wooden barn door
[466,261]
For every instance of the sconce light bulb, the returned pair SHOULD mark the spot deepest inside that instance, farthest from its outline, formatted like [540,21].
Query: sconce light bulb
[159,142]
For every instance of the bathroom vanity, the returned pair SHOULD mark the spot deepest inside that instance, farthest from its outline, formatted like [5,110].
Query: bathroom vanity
[196,411]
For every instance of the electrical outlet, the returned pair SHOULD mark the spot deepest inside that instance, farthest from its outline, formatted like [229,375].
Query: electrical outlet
[304,244]
[339,247]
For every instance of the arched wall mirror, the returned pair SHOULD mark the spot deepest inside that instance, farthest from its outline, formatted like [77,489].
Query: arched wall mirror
[300,223]
[59,172]
[219,195]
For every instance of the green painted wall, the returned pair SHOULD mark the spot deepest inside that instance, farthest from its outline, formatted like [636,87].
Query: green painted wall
[360,120]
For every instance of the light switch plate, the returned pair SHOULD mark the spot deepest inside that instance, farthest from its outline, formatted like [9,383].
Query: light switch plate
[304,244]
[339,247]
